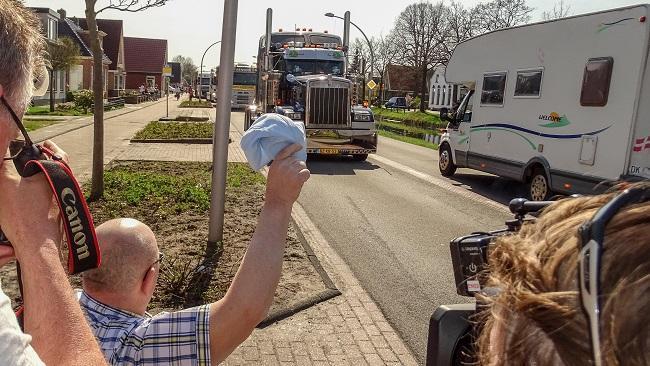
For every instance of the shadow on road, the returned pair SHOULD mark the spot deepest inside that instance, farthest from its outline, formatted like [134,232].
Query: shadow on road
[337,165]
[495,188]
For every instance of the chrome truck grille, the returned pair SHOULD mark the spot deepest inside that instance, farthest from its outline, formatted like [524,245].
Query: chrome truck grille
[328,105]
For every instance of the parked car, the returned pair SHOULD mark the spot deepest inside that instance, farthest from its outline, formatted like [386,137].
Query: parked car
[396,102]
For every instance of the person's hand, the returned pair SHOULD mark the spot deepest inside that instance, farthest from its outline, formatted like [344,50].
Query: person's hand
[28,212]
[286,177]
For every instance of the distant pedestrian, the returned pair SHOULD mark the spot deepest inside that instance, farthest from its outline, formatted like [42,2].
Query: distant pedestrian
[191,94]
[142,89]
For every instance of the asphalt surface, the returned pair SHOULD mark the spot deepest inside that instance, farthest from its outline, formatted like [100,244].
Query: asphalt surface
[391,219]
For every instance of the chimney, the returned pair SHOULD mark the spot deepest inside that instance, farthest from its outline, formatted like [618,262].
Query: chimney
[62,13]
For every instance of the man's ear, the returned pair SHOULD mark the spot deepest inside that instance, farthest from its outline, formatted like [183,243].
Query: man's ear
[149,281]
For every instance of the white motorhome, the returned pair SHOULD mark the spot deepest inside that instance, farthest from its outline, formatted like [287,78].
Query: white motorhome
[562,105]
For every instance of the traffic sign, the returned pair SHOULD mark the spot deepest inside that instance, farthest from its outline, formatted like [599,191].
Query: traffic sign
[167,71]
[371,84]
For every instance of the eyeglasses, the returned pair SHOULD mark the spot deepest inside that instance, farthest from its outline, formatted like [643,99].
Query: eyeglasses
[592,234]
[161,256]
[16,146]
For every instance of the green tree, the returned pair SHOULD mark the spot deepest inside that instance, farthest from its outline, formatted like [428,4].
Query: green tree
[61,54]
[189,71]
[132,6]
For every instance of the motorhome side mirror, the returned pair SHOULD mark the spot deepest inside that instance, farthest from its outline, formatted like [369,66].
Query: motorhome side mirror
[291,78]
[444,114]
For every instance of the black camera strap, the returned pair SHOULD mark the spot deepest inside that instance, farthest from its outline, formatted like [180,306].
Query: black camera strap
[77,222]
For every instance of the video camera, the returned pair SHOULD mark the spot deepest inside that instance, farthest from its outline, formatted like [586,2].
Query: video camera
[452,334]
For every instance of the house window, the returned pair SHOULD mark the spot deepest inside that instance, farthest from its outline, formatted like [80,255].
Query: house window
[494,87]
[61,80]
[438,95]
[529,83]
[595,82]
[151,81]
[52,29]
[437,75]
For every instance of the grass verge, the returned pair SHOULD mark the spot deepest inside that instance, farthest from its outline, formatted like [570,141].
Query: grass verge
[45,111]
[195,104]
[173,198]
[35,124]
[414,119]
[175,130]
[407,128]
[410,140]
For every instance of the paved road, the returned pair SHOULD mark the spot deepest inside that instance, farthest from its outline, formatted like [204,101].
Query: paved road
[391,219]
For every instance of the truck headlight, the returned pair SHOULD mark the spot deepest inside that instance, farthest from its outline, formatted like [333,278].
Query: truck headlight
[362,117]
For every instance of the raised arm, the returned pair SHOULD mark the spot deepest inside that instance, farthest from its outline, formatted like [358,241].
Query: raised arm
[29,218]
[233,318]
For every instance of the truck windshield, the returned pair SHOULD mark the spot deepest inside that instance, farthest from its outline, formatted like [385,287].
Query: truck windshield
[205,81]
[244,78]
[310,67]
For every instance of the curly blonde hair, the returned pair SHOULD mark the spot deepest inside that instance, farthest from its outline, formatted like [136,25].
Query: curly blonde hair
[537,316]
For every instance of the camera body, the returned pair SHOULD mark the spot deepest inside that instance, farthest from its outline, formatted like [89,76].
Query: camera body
[452,334]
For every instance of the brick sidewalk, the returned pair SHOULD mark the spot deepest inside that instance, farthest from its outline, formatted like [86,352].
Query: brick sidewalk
[347,330]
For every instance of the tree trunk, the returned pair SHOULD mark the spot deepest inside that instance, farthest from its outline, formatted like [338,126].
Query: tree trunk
[423,88]
[97,187]
[52,89]
[381,87]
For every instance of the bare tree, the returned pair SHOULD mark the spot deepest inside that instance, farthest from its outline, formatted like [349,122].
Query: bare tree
[560,10]
[499,14]
[419,34]
[61,54]
[189,71]
[97,186]
[386,53]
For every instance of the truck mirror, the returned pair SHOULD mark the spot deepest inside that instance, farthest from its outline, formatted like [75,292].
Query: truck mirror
[291,78]
[444,114]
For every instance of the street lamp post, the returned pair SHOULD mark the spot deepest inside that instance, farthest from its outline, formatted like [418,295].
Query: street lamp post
[372,52]
[201,74]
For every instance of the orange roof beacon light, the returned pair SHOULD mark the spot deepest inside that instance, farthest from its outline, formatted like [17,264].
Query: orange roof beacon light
[280,30]
[365,103]
[310,29]
[325,31]
[304,29]
[297,29]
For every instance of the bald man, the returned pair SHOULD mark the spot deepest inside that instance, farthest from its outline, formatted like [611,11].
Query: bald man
[116,295]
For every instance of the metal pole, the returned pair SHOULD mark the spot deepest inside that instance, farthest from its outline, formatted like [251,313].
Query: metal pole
[167,87]
[222,123]
[372,52]
[201,74]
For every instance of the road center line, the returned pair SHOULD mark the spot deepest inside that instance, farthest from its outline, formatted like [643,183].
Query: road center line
[440,183]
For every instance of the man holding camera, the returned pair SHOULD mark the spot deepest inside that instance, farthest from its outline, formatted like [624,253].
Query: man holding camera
[54,324]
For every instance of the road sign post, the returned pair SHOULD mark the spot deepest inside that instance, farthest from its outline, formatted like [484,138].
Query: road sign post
[167,72]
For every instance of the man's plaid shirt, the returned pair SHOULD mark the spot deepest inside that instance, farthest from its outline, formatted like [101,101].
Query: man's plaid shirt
[178,338]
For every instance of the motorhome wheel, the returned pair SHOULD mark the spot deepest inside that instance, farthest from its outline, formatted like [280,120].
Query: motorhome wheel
[445,161]
[539,189]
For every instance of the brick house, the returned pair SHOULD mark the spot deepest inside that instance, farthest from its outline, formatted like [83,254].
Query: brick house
[113,45]
[80,76]
[144,59]
[50,29]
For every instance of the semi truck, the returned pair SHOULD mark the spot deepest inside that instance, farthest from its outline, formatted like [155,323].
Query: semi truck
[562,105]
[205,85]
[303,75]
[243,85]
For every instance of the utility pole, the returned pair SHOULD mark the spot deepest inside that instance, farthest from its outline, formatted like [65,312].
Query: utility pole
[363,72]
[222,123]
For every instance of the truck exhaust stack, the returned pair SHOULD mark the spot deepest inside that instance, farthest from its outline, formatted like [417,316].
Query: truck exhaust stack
[346,31]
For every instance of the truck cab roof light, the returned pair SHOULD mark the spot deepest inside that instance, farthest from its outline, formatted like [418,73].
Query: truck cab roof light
[304,29]
[297,29]
[280,30]
[325,31]
[310,29]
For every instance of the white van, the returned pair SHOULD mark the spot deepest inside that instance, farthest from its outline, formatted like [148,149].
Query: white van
[562,105]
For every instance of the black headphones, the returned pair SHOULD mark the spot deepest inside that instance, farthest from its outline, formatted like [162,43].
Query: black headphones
[592,235]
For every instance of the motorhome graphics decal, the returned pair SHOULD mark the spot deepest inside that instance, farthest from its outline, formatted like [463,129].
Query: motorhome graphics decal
[641,144]
[555,120]
[605,26]
[517,129]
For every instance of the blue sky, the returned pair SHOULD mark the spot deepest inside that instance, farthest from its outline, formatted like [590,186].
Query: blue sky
[191,26]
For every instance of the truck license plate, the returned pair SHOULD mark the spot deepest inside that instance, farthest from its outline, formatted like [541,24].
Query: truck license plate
[329,151]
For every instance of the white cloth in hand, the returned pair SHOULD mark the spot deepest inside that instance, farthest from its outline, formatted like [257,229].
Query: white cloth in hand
[268,135]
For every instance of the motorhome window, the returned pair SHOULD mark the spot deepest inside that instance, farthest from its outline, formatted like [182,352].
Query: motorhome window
[595,82]
[529,83]
[494,86]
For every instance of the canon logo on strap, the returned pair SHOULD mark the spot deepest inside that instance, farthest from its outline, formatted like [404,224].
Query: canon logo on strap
[77,230]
